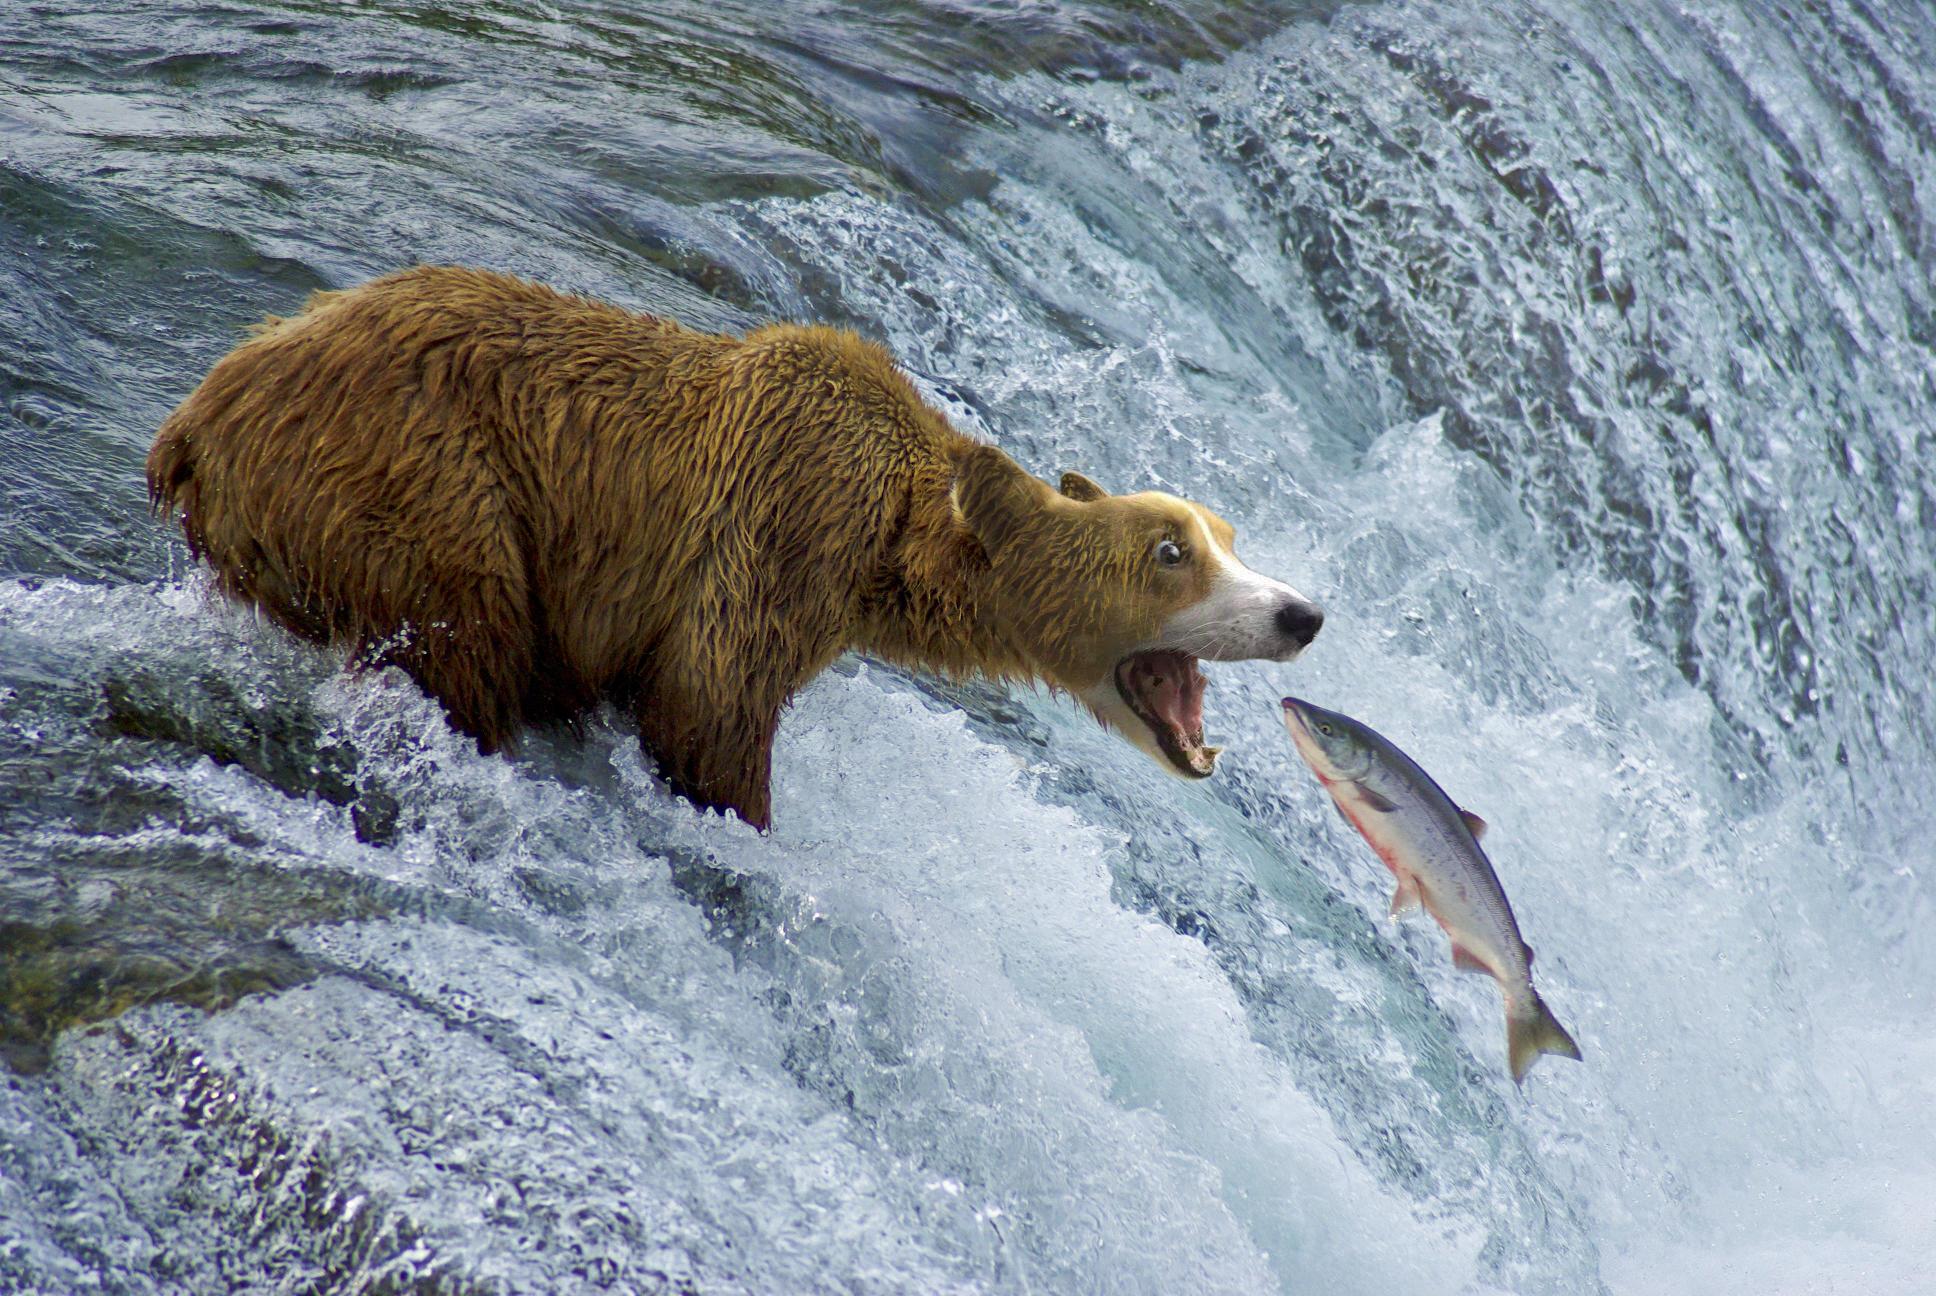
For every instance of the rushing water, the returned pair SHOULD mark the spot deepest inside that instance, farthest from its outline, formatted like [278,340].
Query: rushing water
[1580,357]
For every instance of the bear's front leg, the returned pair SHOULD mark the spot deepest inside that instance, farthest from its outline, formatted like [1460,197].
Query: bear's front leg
[726,669]
[717,756]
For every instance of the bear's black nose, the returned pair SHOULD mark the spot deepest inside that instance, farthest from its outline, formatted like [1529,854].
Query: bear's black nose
[1300,621]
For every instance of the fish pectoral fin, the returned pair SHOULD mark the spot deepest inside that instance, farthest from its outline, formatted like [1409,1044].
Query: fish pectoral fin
[1466,961]
[1382,804]
[1474,824]
[1406,898]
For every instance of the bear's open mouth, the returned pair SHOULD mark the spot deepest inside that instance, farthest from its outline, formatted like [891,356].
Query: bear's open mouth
[1165,690]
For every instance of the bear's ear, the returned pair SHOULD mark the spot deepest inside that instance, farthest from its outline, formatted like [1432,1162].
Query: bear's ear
[1081,489]
[994,497]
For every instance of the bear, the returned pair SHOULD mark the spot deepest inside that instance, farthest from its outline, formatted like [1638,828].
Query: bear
[536,503]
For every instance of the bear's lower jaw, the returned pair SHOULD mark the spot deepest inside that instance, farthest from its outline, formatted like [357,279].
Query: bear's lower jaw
[1164,689]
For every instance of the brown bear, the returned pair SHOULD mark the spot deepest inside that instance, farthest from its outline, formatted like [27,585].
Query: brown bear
[533,503]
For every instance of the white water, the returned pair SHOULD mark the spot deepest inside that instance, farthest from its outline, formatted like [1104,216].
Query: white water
[1000,1007]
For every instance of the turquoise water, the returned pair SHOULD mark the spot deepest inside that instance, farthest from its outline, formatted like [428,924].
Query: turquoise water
[1581,360]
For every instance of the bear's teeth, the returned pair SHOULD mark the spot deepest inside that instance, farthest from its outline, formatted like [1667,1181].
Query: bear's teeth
[1164,688]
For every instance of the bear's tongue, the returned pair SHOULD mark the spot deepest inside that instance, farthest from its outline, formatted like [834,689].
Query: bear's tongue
[1166,689]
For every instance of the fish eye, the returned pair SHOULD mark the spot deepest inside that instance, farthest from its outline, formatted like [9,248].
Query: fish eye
[1324,729]
[1168,552]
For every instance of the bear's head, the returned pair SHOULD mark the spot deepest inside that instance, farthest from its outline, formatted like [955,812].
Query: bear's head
[1115,598]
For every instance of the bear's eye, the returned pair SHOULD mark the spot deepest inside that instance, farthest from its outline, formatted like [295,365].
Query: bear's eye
[1169,552]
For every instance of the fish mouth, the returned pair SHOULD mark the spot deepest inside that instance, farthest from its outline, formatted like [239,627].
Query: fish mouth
[1298,721]
[1164,688]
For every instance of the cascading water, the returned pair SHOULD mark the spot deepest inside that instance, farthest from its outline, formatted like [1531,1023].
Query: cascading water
[1580,358]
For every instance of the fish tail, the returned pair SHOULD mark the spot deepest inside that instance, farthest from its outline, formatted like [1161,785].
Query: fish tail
[1533,1032]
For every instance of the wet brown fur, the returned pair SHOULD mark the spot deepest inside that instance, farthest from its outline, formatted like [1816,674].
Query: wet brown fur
[533,502]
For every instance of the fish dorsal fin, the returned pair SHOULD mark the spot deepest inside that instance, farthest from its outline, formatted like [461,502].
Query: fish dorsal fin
[1466,961]
[1529,952]
[1406,898]
[1382,804]
[1474,824]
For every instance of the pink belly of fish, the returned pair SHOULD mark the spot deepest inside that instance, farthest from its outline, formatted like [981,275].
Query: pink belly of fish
[1400,857]
[1389,846]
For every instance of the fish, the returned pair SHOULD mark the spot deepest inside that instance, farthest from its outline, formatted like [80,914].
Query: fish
[1432,848]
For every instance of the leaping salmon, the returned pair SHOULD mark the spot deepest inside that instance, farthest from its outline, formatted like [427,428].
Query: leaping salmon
[1432,848]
